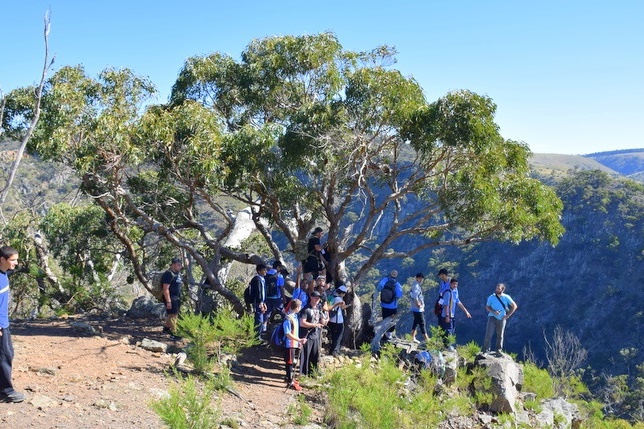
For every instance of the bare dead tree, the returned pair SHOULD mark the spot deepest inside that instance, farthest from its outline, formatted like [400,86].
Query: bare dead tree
[34,120]
[564,352]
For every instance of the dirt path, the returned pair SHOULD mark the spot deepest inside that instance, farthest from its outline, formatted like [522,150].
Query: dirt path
[76,381]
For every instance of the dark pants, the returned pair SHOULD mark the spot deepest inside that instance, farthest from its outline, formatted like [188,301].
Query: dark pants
[386,312]
[336,330]
[310,355]
[419,321]
[289,360]
[6,361]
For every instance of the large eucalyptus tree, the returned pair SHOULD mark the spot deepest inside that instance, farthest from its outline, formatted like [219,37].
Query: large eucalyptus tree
[306,134]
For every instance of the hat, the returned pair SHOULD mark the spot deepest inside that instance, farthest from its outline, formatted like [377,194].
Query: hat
[420,275]
[315,294]
[393,274]
[443,271]
[321,277]
[342,289]
[177,261]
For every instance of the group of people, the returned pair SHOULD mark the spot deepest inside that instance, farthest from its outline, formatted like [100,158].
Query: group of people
[500,306]
[312,307]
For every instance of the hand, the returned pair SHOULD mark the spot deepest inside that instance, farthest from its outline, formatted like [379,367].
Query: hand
[303,341]
[168,305]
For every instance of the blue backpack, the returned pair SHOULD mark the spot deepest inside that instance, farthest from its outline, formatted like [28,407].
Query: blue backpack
[278,337]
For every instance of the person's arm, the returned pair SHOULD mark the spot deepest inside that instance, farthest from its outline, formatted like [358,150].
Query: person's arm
[166,295]
[467,313]
[399,291]
[513,307]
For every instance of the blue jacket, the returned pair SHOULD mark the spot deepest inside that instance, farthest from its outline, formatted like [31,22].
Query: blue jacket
[398,293]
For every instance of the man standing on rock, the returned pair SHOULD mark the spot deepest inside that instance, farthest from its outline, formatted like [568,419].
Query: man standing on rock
[500,307]
[8,262]
[450,301]
[171,282]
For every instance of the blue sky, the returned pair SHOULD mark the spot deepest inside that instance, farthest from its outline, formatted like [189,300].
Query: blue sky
[567,76]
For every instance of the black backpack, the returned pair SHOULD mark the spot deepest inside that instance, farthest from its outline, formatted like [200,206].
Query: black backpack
[271,285]
[438,308]
[388,292]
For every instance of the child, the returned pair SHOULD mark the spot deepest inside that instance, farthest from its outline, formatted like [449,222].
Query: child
[293,342]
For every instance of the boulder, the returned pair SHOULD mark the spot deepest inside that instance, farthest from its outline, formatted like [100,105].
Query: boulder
[146,307]
[507,379]
[153,346]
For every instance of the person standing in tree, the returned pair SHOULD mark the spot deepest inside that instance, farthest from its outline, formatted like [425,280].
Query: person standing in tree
[418,308]
[171,282]
[500,307]
[314,262]
[8,262]
[390,292]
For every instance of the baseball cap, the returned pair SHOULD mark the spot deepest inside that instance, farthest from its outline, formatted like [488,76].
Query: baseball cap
[342,288]
[177,261]
[315,294]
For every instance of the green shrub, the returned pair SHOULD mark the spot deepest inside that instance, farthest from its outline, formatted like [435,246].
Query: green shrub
[299,411]
[189,406]
[537,381]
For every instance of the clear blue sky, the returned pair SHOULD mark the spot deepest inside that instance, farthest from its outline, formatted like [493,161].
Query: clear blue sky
[567,75]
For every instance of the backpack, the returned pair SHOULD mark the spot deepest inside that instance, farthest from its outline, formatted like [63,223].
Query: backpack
[438,307]
[157,285]
[388,292]
[248,295]
[271,285]
[278,337]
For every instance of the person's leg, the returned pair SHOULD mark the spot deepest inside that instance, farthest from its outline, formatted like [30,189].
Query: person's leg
[334,330]
[387,312]
[172,316]
[490,328]
[314,354]
[6,362]
[305,355]
[421,325]
[500,332]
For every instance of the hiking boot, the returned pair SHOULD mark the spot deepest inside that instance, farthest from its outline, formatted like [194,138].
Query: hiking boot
[14,397]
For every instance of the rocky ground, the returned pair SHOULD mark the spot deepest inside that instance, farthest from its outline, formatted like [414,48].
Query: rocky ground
[74,379]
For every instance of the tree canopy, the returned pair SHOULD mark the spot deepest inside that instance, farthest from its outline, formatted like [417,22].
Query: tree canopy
[303,132]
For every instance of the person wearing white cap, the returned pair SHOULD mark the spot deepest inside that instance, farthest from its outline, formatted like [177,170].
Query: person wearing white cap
[336,319]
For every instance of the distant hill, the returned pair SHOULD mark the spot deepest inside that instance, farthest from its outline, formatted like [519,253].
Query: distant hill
[629,162]
[553,167]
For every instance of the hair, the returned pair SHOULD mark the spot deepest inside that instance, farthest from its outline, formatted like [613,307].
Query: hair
[454,280]
[260,267]
[7,251]
[502,286]
[296,304]
[443,271]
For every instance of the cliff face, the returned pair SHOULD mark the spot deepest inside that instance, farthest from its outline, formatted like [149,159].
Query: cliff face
[591,283]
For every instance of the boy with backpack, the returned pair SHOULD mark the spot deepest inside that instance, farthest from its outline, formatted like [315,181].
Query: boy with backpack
[390,292]
[292,342]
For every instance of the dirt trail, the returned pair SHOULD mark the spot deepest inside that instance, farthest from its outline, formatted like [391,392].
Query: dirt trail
[76,382]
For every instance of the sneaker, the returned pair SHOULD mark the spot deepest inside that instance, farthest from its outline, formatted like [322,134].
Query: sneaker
[166,330]
[14,397]
[295,385]
[175,337]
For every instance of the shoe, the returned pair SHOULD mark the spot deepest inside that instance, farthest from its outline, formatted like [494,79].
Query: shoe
[415,341]
[166,330]
[295,385]
[175,337]
[14,397]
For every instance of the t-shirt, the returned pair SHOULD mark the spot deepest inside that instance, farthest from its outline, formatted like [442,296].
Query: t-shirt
[174,280]
[494,303]
[311,315]
[416,294]
[335,315]
[5,295]
[450,299]
[291,325]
